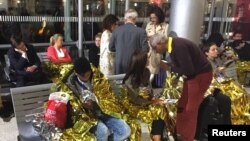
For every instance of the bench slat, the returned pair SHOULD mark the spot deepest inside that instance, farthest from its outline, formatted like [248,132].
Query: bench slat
[22,96]
[30,101]
[22,116]
[30,89]
[22,108]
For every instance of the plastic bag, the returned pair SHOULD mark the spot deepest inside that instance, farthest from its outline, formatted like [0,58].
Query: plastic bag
[56,110]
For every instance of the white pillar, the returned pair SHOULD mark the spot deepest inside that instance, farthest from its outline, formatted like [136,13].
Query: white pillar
[80,28]
[67,28]
[186,18]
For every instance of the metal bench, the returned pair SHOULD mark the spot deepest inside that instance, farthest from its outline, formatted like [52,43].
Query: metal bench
[28,101]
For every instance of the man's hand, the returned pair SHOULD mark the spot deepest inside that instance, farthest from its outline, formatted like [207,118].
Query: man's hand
[164,65]
[88,104]
[31,68]
[20,51]
[241,45]
[157,101]
[220,69]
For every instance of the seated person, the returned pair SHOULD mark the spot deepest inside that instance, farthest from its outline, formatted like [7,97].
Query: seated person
[211,52]
[80,83]
[226,56]
[25,65]
[56,52]
[241,47]
[94,51]
[136,81]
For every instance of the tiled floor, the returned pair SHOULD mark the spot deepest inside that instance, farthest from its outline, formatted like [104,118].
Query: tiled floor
[8,130]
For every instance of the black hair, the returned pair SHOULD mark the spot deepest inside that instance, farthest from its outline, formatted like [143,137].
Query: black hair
[207,46]
[108,21]
[137,69]
[15,40]
[237,32]
[81,66]
[217,38]
[159,13]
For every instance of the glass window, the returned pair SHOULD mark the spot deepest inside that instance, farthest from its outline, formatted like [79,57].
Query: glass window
[38,20]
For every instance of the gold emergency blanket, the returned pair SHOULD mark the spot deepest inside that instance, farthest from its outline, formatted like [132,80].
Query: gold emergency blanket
[242,67]
[240,100]
[145,113]
[172,90]
[110,104]
[82,123]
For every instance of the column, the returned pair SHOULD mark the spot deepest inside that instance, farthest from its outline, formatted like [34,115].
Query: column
[186,18]
[80,28]
[67,28]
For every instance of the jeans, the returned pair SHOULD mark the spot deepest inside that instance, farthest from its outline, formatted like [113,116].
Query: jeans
[118,127]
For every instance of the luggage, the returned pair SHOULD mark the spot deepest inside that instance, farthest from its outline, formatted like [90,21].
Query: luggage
[215,109]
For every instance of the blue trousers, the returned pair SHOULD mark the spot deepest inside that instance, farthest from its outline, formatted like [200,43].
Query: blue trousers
[118,127]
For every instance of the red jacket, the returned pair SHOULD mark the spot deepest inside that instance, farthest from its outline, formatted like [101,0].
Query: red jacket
[52,55]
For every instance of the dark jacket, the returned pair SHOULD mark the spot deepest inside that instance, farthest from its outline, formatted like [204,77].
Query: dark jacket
[124,41]
[187,59]
[133,93]
[18,63]
[91,107]
[244,52]
[94,55]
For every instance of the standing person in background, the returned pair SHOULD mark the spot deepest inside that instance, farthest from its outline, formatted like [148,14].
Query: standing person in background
[188,60]
[56,52]
[157,24]
[125,40]
[107,58]
[94,51]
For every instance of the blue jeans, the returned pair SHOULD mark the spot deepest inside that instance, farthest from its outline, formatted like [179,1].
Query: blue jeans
[118,127]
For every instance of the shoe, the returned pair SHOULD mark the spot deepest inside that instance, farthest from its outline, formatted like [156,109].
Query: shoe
[5,115]
[8,118]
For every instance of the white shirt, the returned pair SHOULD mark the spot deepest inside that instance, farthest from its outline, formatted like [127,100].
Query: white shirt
[60,53]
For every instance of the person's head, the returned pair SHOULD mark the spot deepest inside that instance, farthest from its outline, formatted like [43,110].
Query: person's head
[216,38]
[130,16]
[110,22]
[17,42]
[136,67]
[158,42]
[98,39]
[82,69]
[56,40]
[210,50]
[157,16]
[237,36]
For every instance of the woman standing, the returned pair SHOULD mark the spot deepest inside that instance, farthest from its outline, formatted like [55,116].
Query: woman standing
[157,24]
[56,52]
[107,58]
